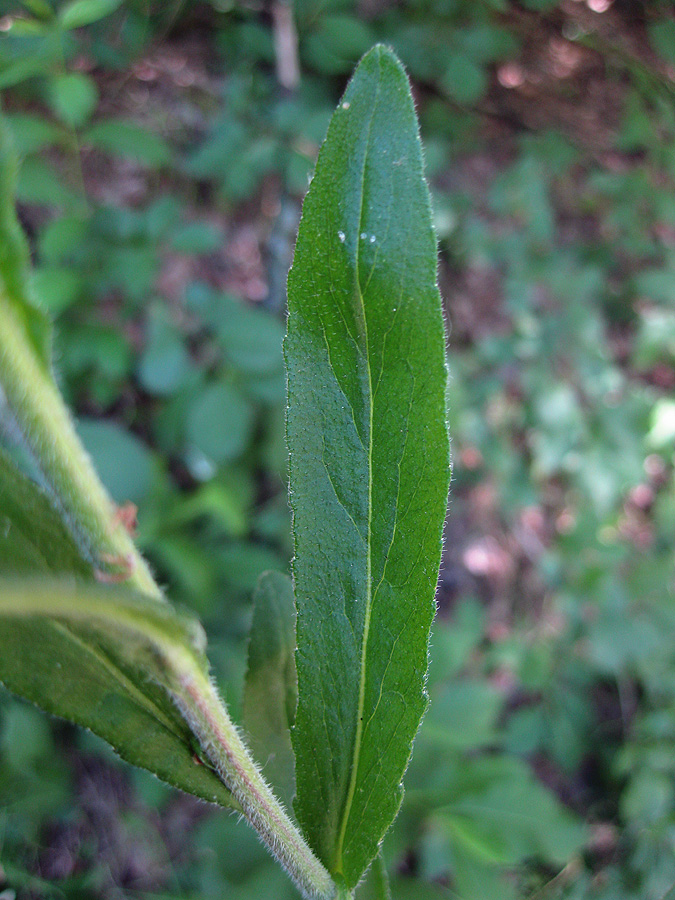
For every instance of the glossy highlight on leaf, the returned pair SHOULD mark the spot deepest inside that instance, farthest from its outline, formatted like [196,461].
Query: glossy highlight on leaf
[369,464]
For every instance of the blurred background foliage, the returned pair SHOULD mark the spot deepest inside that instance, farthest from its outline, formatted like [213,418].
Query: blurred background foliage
[165,149]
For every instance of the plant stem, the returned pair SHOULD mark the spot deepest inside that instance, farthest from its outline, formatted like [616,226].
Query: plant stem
[49,432]
[220,740]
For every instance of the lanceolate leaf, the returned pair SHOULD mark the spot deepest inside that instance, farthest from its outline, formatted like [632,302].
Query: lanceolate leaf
[369,464]
[88,670]
[271,688]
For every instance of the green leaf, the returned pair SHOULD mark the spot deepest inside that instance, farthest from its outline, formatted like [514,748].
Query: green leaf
[95,656]
[662,422]
[62,238]
[510,816]
[251,338]
[26,739]
[15,70]
[31,133]
[82,667]
[337,43]
[463,715]
[271,690]
[83,12]
[475,879]
[73,97]
[369,464]
[30,28]
[109,444]
[220,422]
[123,138]
[165,363]
[39,8]
[196,237]
[15,288]
[415,889]
[464,79]
[57,287]
[41,184]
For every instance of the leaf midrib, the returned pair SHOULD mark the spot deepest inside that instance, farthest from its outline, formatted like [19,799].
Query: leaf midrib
[125,683]
[369,597]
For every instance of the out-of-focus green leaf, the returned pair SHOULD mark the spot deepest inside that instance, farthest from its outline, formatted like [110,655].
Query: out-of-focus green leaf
[506,816]
[38,62]
[475,879]
[224,500]
[337,43]
[464,79]
[196,237]
[220,422]
[271,689]
[40,183]
[122,461]
[21,27]
[165,362]
[83,12]
[252,339]
[73,97]
[414,889]
[662,430]
[31,133]
[26,739]
[124,138]
[369,464]
[375,885]
[62,238]
[39,8]
[57,288]
[244,563]
[463,715]
[540,5]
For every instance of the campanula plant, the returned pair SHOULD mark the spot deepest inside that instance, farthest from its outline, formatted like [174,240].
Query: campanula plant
[89,635]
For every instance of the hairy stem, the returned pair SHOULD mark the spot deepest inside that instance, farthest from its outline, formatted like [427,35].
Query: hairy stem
[225,749]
